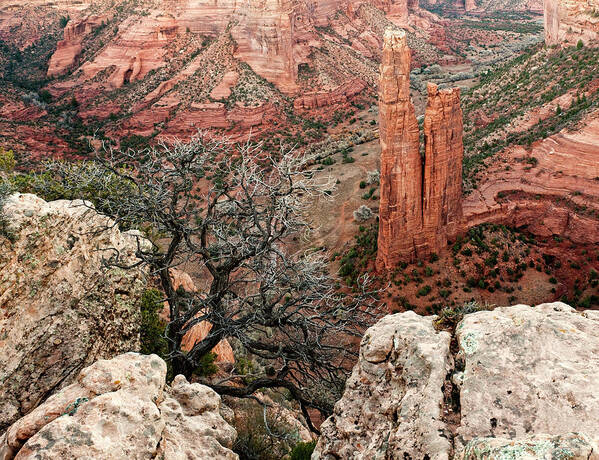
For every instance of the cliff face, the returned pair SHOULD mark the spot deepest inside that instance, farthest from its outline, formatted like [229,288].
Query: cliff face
[567,21]
[69,49]
[265,40]
[516,386]
[61,310]
[420,203]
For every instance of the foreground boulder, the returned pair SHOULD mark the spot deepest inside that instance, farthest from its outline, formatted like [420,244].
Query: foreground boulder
[529,371]
[60,308]
[392,402]
[121,408]
[526,378]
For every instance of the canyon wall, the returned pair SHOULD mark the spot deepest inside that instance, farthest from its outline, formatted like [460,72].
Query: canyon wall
[567,21]
[69,48]
[420,203]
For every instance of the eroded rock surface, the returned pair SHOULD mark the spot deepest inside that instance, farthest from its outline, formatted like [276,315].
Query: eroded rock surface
[400,209]
[421,199]
[567,21]
[527,382]
[529,370]
[391,407]
[60,309]
[122,408]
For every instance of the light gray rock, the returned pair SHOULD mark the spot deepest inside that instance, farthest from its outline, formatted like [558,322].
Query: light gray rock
[528,380]
[61,309]
[529,371]
[122,409]
[572,446]
[391,408]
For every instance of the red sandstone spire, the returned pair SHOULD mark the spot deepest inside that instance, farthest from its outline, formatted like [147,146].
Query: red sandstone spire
[442,178]
[421,200]
[401,167]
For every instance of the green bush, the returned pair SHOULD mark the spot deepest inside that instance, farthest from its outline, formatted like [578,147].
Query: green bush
[579,45]
[7,160]
[5,190]
[303,450]
[152,326]
[207,366]
[424,291]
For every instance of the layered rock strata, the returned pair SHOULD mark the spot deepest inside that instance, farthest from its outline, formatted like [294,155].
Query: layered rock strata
[420,202]
[61,309]
[567,21]
[69,49]
[122,408]
[524,377]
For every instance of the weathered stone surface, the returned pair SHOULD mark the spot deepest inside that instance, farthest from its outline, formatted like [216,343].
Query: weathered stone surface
[60,308]
[567,21]
[338,95]
[529,370]
[526,378]
[400,209]
[442,176]
[391,407]
[421,200]
[567,167]
[122,408]
[194,427]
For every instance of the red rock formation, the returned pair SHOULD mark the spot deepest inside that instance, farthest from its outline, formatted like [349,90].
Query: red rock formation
[559,196]
[69,49]
[339,95]
[400,215]
[442,177]
[138,49]
[264,36]
[420,204]
[567,21]
[223,350]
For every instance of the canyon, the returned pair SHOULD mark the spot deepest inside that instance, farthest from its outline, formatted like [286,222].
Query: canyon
[162,70]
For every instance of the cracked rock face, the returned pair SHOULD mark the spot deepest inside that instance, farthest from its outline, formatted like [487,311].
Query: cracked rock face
[122,408]
[392,403]
[529,371]
[60,309]
[527,381]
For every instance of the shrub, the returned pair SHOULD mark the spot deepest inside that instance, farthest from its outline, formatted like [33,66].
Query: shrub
[7,160]
[152,326]
[5,190]
[424,291]
[363,213]
[63,21]
[579,45]
[302,450]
